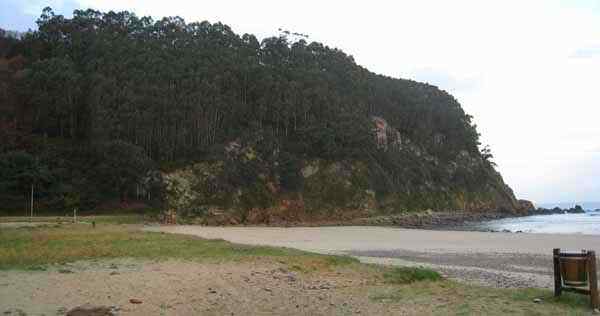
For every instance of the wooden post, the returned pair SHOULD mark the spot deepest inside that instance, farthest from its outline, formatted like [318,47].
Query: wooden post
[557,277]
[593,279]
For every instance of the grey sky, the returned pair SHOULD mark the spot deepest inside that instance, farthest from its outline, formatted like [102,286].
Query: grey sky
[528,71]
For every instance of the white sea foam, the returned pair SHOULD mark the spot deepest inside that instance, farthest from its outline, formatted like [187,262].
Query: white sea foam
[583,223]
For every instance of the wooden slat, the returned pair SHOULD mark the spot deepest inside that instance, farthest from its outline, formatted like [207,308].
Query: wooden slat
[593,279]
[557,277]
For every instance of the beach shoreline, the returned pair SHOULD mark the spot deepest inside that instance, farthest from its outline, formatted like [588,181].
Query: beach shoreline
[483,258]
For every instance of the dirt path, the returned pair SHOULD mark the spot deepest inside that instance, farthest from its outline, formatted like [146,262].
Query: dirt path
[492,259]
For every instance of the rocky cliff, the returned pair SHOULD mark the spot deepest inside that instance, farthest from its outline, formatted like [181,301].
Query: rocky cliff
[211,192]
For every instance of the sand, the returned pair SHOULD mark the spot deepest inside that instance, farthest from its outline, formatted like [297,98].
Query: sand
[492,259]
[187,288]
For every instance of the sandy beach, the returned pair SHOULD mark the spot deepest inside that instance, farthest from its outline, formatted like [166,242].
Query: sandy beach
[185,288]
[491,259]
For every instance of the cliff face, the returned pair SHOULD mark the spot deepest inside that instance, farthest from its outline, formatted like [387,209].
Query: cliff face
[211,192]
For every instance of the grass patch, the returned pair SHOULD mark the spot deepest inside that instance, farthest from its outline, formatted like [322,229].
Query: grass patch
[99,219]
[31,248]
[570,299]
[447,297]
[407,275]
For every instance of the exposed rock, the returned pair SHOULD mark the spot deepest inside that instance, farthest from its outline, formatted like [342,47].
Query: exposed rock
[526,206]
[385,134]
[90,310]
[309,170]
[544,211]
[339,191]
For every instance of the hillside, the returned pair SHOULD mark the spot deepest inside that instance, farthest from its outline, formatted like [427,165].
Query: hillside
[109,107]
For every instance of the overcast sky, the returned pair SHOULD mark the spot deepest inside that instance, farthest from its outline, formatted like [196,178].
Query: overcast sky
[528,71]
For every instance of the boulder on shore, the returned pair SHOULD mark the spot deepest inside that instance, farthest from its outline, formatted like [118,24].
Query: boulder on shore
[91,310]
[526,206]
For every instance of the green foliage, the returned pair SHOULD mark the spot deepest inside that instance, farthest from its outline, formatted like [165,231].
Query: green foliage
[288,170]
[111,95]
[19,173]
[120,166]
[213,85]
[335,186]
[51,88]
[406,275]
[35,247]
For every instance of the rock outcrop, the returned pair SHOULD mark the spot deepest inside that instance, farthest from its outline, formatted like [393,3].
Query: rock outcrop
[526,206]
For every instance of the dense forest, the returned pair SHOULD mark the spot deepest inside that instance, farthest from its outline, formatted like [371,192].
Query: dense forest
[101,107]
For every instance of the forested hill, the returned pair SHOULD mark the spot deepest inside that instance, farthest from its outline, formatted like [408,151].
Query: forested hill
[192,116]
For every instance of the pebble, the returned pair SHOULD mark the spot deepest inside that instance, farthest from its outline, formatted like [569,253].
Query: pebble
[537,300]
[135,301]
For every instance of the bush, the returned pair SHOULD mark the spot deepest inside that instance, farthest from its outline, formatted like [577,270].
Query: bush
[407,275]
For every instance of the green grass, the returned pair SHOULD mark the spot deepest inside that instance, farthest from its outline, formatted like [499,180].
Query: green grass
[99,219]
[445,297]
[30,248]
[407,275]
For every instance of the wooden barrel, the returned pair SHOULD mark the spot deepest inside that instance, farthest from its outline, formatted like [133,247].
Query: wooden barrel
[574,271]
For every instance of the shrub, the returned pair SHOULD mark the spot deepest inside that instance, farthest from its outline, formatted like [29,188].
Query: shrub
[407,275]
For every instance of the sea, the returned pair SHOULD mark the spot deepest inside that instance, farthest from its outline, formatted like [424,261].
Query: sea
[583,223]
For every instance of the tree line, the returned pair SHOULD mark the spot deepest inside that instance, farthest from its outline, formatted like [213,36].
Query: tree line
[100,100]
